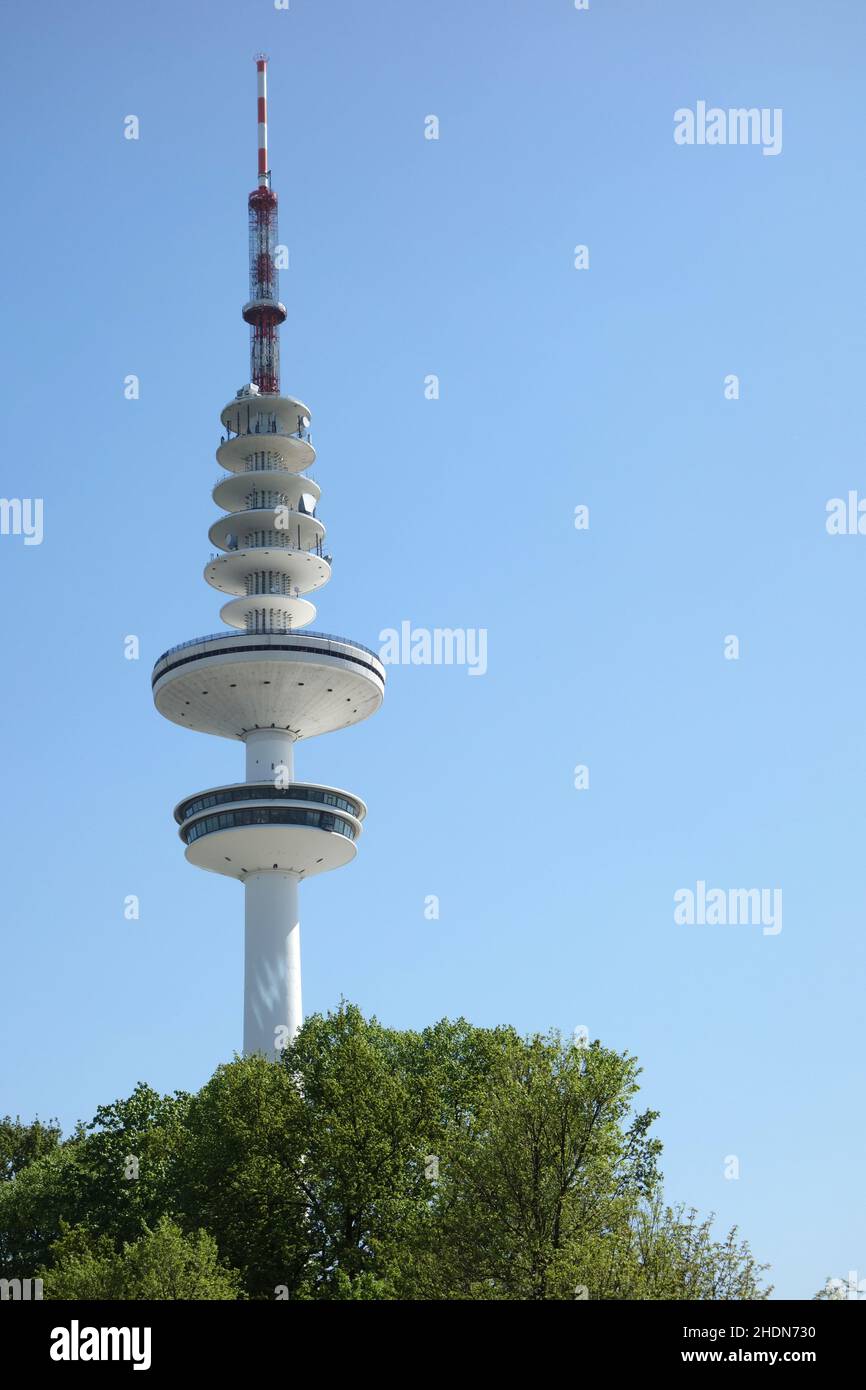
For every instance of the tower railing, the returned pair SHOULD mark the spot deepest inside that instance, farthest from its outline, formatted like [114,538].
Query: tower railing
[304,435]
[287,544]
[227,636]
[263,468]
[286,506]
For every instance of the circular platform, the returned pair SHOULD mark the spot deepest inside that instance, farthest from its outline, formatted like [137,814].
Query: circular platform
[295,454]
[255,827]
[302,530]
[230,493]
[253,793]
[274,309]
[307,683]
[284,410]
[298,611]
[228,572]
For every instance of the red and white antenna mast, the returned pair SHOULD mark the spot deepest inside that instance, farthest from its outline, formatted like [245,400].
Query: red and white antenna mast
[262,70]
[263,311]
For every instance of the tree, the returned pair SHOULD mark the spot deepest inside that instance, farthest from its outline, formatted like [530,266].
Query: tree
[126,1161]
[664,1252]
[32,1207]
[369,1111]
[538,1167]
[161,1264]
[21,1144]
[238,1172]
[841,1290]
[114,1175]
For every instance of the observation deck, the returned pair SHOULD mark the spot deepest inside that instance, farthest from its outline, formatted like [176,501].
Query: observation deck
[256,827]
[304,683]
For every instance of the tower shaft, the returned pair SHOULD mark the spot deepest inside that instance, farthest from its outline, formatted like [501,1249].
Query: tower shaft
[273,1010]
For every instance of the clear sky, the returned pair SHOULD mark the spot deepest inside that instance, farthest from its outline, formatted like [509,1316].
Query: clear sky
[606,647]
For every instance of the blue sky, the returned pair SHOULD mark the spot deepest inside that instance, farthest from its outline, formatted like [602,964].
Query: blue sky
[606,647]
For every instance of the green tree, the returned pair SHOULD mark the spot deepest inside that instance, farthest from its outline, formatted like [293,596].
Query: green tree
[535,1170]
[663,1252]
[21,1144]
[238,1173]
[161,1264]
[368,1113]
[126,1163]
[839,1291]
[114,1175]
[32,1207]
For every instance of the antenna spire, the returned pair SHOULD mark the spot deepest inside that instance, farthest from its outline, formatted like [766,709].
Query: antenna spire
[262,69]
[263,311]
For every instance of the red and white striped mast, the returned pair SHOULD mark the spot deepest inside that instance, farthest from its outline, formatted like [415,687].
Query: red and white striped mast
[262,68]
[263,311]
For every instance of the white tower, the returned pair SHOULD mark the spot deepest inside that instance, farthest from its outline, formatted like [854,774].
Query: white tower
[268,682]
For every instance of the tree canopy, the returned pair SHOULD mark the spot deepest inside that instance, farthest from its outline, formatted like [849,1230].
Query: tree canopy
[368,1163]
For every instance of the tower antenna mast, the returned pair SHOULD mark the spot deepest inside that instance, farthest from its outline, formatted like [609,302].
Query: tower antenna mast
[263,311]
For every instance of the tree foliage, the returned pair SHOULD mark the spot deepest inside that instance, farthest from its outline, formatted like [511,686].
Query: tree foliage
[20,1144]
[161,1264]
[369,1163]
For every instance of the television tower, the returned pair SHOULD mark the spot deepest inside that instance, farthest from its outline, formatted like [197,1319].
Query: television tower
[266,682]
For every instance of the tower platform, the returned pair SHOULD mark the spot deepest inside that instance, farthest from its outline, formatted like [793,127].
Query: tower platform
[305,683]
[257,827]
